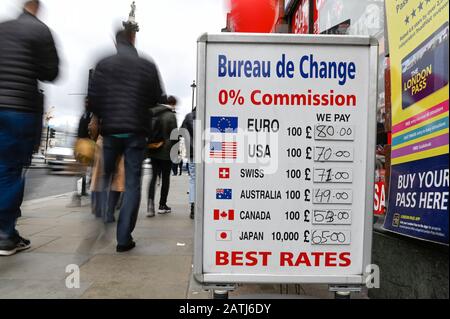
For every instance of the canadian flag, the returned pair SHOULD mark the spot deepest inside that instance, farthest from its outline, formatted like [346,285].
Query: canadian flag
[224,214]
[223,235]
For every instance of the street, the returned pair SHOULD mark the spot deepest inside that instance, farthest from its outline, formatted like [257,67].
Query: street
[159,267]
[39,184]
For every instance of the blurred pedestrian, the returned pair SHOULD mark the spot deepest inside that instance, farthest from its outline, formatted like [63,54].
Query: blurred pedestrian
[177,166]
[27,55]
[123,87]
[161,157]
[111,199]
[83,140]
[188,125]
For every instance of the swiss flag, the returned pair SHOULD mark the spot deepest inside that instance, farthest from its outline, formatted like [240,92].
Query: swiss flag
[223,214]
[223,235]
[224,173]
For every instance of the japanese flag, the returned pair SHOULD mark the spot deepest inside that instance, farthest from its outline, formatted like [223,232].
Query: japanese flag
[223,235]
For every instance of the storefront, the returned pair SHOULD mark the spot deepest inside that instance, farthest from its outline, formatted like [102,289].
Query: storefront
[411,219]
[352,17]
[412,133]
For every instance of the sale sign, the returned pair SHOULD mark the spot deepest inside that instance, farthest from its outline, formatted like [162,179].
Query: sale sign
[380,199]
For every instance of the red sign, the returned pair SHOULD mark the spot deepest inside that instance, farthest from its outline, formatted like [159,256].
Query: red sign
[380,199]
[300,19]
[317,6]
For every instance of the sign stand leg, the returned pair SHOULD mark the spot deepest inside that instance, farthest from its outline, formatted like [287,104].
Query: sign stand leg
[344,292]
[220,294]
[342,295]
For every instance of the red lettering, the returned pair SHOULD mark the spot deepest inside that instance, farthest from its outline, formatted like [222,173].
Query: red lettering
[237,258]
[345,259]
[252,260]
[240,258]
[303,259]
[317,258]
[265,257]
[330,259]
[286,258]
[254,101]
[222,258]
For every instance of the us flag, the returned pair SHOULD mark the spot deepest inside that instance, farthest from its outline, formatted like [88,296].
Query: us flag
[223,150]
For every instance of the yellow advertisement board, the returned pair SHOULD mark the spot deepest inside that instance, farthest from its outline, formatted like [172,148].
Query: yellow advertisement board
[418,44]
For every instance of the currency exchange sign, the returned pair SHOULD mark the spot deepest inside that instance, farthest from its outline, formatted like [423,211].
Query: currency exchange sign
[285,187]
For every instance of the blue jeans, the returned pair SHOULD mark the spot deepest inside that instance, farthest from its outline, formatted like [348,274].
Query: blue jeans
[19,133]
[133,148]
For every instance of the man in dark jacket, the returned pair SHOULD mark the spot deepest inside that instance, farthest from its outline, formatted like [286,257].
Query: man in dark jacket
[161,157]
[123,87]
[27,55]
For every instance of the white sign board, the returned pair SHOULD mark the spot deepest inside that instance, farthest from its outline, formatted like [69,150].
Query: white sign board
[285,183]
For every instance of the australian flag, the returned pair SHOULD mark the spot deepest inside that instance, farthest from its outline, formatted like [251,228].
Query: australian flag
[224,194]
[222,124]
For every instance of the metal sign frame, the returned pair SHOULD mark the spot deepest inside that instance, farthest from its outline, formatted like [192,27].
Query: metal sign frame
[282,39]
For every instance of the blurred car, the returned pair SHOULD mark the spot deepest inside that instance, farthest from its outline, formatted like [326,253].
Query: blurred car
[38,160]
[61,161]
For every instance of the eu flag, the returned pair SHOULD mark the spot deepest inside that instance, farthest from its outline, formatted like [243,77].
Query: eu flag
[223,124]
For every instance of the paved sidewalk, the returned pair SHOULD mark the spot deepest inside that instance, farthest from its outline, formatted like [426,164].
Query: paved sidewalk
[159,267]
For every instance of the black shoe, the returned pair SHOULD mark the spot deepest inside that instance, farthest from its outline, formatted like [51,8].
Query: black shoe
[123,249]
[22,244]
[9,247]
[164,209]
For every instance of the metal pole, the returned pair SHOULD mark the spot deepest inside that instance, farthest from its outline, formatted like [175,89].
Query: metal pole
[193,86]
[46,144]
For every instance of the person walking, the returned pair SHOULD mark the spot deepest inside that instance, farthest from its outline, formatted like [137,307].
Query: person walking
[188,125]
[177,166]
[83,138]
[117,187]
[161,157]
[182,155]
[123,87]
[27,55]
